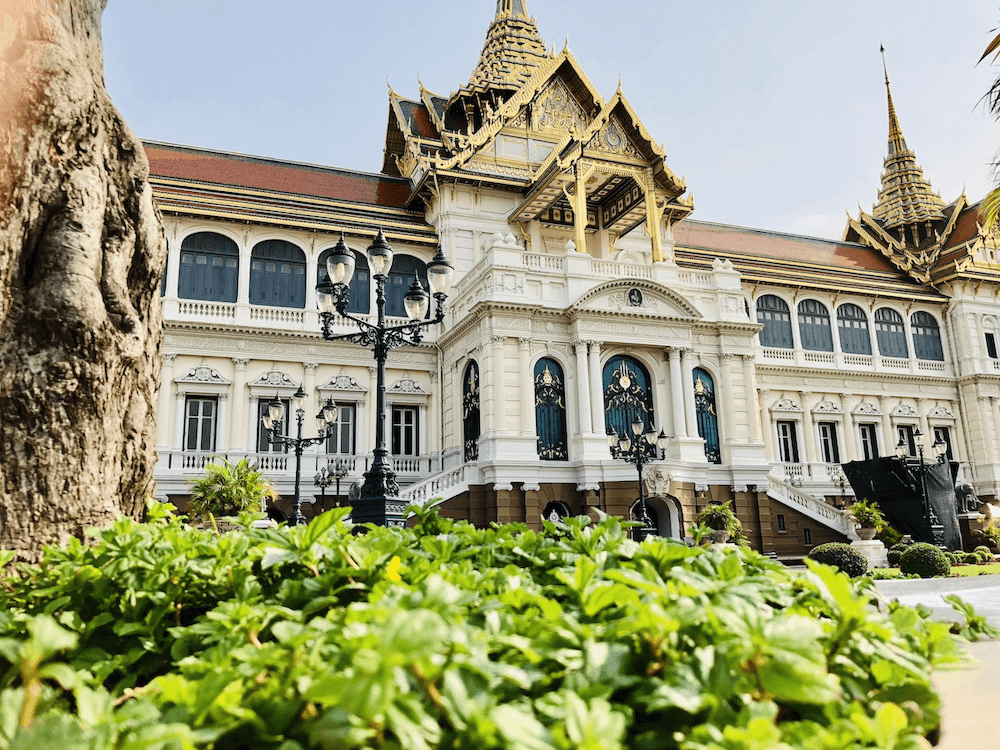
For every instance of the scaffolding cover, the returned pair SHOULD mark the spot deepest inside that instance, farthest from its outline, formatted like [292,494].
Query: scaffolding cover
[895,486]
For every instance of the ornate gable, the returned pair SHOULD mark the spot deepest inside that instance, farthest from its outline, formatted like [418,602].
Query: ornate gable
[638,297]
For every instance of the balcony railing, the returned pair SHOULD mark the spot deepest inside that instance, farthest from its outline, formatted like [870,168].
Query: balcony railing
[178,464]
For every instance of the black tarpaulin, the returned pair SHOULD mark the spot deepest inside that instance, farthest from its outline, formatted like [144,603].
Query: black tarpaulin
[895,486]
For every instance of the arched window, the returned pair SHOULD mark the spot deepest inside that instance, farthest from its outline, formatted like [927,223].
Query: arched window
[556,512]
[550,411]
[359,298]
[278,275]
[708,416]
[470,412]
[627,395]
[852,323]
[210,268]
[773,314]
[890,333]
[404,267]
[926,337]
[814,326]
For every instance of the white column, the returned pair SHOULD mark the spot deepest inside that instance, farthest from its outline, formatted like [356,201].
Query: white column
[312,405]
[312,274]
[243,289]
[582,386]
[163,402]
[677,393]
[457,423]
[179,420]
[687,388]
[173,267]
[768,427]
[499,390]
[222,436]
[369,444]
[750,387]
[662,405]
[527,387]
[724,405]
[238,438]
[422,429]
[923,406]
[596,389]
[888,435]
[809,428]
[986,412]
[849,440]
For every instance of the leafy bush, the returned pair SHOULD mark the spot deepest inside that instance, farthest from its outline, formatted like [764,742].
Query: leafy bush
[981,550]
[990,536]
[229,489]
[896,552]
[924,560]
[971,558]
[889,536]
[841,556]
[720,516]
[163,637]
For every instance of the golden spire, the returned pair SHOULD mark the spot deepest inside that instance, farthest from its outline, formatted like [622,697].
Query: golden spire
[512,53]
[906,197]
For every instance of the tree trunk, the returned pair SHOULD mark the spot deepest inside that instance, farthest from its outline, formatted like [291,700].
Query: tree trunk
[81,256]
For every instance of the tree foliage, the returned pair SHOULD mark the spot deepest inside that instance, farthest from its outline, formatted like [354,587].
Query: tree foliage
[228,489]
[162,637]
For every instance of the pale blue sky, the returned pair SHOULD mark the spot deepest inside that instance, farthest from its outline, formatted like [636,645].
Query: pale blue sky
[773,109]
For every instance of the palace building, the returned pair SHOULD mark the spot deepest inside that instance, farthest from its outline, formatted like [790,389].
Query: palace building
[586,295]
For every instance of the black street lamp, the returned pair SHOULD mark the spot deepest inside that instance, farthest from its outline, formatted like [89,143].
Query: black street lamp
[379,500]
[639,450]
[329,474]
[931,521]
[272,418]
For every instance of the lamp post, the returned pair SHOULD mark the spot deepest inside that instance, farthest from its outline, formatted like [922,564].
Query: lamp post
[939,448]
[639,449]
[272,418]
[378,502]
[331,473]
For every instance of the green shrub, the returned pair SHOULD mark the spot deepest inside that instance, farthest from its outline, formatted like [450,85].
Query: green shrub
[990,536]
[970,558]
[981,550]
[157,636]
[895,552]
[984,557]
[841,556]
[229,489]
[924,560]
[889,536]
[867,515]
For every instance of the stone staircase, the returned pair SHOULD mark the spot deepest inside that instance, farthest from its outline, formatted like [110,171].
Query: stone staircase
[812,507]
[438,488]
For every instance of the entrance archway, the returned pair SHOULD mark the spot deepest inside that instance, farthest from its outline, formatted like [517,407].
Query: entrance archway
[665,515]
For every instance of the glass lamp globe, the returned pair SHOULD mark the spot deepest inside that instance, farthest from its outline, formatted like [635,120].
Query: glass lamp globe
[276,409]
[380,256]
[416,301]
[340,263]
[440,273]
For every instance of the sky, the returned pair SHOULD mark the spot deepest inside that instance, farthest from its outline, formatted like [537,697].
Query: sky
[773,110]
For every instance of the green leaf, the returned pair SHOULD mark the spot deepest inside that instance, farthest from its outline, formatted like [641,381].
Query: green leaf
[890,722]
[521,730]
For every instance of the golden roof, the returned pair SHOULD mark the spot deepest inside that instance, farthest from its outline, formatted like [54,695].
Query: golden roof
[906,196]
[512,54]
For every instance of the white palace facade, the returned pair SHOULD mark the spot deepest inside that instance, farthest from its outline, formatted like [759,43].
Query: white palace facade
[585,295]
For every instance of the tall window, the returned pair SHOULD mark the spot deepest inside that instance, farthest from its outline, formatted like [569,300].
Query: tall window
[814,326]
[550,411]
[788,444]
[904,435]
[210,265]
[852,323]
[773,314]
[869,441]
[359,297]
[708,418]
[944,435]
[991,346]
[278,275]
[627,395]
[199,424]
[470,412]
[404,267]
[926,337]
[405,431]
[828,445]
[891,333]
[264,445]
[342,436]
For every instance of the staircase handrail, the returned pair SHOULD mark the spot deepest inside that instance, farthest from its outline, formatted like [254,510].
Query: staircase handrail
[811,506]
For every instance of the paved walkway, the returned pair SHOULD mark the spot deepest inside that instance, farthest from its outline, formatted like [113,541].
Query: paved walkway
[970,720]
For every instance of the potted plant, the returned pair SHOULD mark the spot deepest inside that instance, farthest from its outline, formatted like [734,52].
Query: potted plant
[868,517]
[229,489]
[720,518]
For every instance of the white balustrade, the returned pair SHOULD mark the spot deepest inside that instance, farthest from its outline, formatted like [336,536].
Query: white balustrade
[210,310]
[808,505]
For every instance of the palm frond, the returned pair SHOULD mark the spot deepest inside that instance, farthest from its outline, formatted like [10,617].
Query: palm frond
[991,47]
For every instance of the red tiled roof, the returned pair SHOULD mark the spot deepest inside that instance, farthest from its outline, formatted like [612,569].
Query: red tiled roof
[966,228]
[729,239]
[199,165]
[419,118]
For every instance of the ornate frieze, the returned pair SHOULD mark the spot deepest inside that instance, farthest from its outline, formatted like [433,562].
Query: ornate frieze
[343,383]
[904,410]
[203,375]
[557,110]
[786,404]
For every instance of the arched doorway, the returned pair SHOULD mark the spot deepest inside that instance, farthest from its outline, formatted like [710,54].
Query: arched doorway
[555,512]
[665,519]
[470,412]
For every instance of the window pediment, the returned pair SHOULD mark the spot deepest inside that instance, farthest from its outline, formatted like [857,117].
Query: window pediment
[637,297]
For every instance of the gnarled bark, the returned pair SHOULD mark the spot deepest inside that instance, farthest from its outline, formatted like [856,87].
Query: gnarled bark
[81,253]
